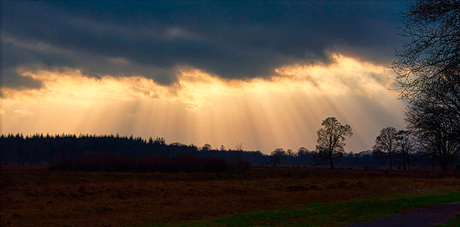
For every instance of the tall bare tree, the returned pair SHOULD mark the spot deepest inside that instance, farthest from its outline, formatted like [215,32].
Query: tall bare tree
[428,71]
[331,140]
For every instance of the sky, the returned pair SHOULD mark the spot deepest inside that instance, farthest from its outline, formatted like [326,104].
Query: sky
[259,73]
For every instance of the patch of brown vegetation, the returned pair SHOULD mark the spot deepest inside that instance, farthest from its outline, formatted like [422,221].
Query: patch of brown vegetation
[40,197]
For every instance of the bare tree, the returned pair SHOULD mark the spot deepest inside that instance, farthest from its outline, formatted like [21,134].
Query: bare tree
[425,151]
[431,49]
[331,140]
[276,156]
[239,146]
[436,129]
[428,71]
[385,144]
[406,144]
[240,159]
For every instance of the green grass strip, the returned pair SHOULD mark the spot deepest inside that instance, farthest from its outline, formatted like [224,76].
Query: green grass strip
[335,213]
[454,222]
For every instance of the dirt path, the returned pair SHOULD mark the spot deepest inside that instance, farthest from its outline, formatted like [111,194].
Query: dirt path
[420,217]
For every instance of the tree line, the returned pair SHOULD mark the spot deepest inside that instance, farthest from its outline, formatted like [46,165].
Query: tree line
[131,153]
[402,148]
[121,153]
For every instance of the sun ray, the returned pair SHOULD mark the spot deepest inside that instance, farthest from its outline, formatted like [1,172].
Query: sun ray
[284,110]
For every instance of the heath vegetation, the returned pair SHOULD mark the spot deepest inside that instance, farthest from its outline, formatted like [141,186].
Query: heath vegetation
[42,197]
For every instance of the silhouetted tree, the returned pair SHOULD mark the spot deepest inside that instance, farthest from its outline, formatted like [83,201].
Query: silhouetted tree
[240,159]
[302,151]
[331,140]
[406,144]
[159,141]
[276,156]
[385,144]
[426,153]
[206,147]
[305,156]
[431,48]
[431,124]
[428,71]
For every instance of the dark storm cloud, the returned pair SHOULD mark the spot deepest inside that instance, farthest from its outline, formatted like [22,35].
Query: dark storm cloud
[229,39]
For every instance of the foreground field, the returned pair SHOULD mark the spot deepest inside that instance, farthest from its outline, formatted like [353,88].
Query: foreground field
[40,197]
[350,212]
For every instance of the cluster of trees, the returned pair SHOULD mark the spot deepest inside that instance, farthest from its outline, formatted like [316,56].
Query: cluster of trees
[400,146]
[428,71]
[305,157]
[392,147]
[41,148]
[404,148]
[331,143]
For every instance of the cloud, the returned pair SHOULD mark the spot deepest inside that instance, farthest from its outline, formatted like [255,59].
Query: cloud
[263,113]
[196,88]
[12,79]
[231,40]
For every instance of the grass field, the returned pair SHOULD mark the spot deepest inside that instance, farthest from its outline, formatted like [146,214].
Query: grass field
[40,197]
[454,222]
[335,213]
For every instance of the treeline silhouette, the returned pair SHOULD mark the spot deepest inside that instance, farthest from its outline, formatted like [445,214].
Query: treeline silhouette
[122,153]
[119,153]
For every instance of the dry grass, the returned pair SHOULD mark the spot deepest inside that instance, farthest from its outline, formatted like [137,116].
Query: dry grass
[39,197]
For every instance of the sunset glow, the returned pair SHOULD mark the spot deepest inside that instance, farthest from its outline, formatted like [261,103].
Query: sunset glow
[284,110]
[264,74]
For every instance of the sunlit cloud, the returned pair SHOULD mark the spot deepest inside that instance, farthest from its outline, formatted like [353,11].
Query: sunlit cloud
[344,75]
[283,110]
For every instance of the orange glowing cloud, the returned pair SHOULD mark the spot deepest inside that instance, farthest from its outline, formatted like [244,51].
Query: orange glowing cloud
[284,110]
